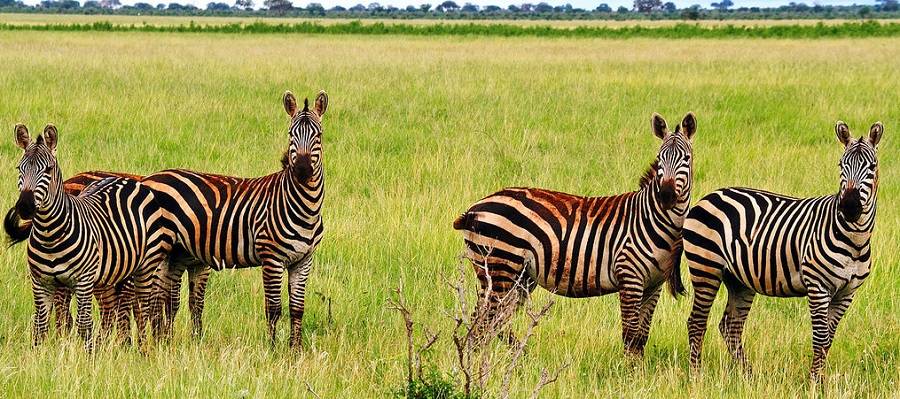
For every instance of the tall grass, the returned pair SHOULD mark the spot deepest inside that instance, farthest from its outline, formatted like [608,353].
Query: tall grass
[678,31]
[417,129]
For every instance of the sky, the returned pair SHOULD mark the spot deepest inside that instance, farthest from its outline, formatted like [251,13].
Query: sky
[586,4]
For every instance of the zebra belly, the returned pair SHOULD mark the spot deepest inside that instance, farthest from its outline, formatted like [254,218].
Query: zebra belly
[768,269]
[577,280]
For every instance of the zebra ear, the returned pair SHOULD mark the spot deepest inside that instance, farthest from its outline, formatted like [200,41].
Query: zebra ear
[290,103]
[659,126]
[875,133]
[22,137]
[50,137]
[843,132]
[321,103]
[689,125]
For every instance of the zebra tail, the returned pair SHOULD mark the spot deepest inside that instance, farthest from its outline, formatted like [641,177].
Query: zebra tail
[673,280]
[17,229]
[464,221]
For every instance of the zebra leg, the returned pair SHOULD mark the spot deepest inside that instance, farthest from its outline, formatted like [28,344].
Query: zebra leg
[836,312]
[146,300]
[272,273]
[170,296]
[107,298]
[819,305]
[740,299]
[84,299]
[43,300]
[61,299]
[198,276]
[631,292]
[124,308]
[297,275]
[648,306]
[706,282]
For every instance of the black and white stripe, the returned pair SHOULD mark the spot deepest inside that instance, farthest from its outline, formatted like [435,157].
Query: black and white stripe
[758,242]
[95,242]
[588,246]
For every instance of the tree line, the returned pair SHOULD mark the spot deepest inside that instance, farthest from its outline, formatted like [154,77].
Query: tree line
[449,9]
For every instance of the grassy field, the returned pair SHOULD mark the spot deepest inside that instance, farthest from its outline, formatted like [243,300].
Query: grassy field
[39,19]
[416,130]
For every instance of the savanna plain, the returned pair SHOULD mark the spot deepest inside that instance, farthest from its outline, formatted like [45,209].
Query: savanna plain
[416,130]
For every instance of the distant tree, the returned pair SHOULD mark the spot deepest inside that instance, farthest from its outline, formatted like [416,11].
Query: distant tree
[722,5]
[110,4]
[469,7]
[603,7]
[691,13]
[7,3]
[244,4]
[647,5]
[889,5]
[492,8]
[425,7]
[622,10]
[865,12]
[513,8]
[375,7]
[449,5]
[90,4]
[217,7]
[278,5]
[670,7]
[189,7]
[315,9]
[543,8]
[358,8]
[527,7]
[69,5]
[143,6]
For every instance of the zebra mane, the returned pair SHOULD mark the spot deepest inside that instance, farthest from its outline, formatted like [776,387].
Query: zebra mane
[285,163]
[649,175]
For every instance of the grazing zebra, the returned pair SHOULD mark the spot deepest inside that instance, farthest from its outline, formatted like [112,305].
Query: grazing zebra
[589,246]
[19,230]
[273,221]
[111,231]
[759,242]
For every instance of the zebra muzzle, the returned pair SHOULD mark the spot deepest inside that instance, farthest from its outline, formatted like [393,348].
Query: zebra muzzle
[25,205]
[666,194]
[850,205]
[302,167]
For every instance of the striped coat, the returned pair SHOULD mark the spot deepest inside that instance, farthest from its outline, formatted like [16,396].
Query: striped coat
[757,242]
[274,221]
[19,230]
[112,232]
[588,246]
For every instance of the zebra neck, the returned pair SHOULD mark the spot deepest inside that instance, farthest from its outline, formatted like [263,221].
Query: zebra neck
[858,232]
[301,200]
[650,208]
[53,219]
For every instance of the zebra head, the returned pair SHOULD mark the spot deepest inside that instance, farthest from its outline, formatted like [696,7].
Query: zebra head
[304,157]
[859,171]
[673,175]
[37,169]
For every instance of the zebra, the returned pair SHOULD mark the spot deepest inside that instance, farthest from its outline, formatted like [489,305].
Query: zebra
[272,221]
[755,241]
[112,231]
[576,246]
[198,274]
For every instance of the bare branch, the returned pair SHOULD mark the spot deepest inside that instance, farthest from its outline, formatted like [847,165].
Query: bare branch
[310,390]
[547,380]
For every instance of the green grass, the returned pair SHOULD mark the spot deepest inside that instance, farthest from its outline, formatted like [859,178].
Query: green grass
[417,129]
[679,31]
